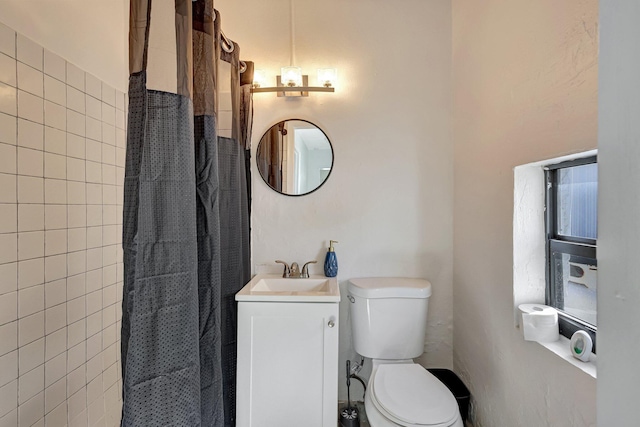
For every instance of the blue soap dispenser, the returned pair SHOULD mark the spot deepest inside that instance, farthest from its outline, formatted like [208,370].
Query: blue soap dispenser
[330,261]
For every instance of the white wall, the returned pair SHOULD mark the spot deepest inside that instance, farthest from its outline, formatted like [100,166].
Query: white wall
[388,200]
[92,34]
[524,89]
[619,214]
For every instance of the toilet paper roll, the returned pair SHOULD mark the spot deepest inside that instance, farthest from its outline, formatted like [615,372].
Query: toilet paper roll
[539,322]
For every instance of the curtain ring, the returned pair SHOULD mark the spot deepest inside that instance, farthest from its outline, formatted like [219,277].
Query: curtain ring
[243,67]
[230,46]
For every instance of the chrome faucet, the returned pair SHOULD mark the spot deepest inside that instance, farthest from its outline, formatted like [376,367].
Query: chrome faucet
[294,271]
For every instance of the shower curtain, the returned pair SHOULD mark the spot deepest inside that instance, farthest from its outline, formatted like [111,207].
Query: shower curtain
[186,219]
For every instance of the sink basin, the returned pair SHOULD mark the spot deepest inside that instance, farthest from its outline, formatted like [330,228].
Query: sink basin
[275,288]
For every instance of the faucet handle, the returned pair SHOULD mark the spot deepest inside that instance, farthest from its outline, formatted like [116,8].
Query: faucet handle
[305,269]
[287,270]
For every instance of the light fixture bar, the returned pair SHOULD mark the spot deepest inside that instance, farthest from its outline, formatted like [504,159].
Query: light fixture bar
[293,91]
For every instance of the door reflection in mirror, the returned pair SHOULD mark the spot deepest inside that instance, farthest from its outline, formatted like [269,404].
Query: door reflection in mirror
[294,157]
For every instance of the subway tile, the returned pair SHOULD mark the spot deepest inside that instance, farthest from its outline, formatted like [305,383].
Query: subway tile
[108,94]
[76,356]
[55,91]
[30,328]
[109,194]
[30,301]
[9,275]
[77,379]
[30,162]
[55,369]
[77,216]
[8,96]
[30,245]
[29,52]
[31,355]
[108,114]
[94,302]
[94,323]
[94,261]
[93,107]
[55,242]
[8,367]
[55,343]
[121,155]
[30,134]
[75,169]
[109,315]
[55,116]
[30,273]
[8,188]
[121,138]
[109,216]
[8,218]
[30,189]
[77,407]
[108,154]
[55,267]
[119,100]
[54,396]
[30,80]
[94,172]
[93,86]
[108,280]
[55,166]
[121,120]
[76,193]
[55,191]
[76,146]
[55,141]
[76,310]
[75,77]
[32,412]
[94,151]
[94,191]
[30,107]
[55,216]
[56,318]
[8,397]
[54,66]
[7,41]
[8,308]
[8,70]
[76,283]
[76,333]
[108,134]
[94,129]
[94,237]
[108,336]
[77,239]
[30,217]
[108,174]
[94,389]
[109,255]
[8,248]
[55,292]
[57,416]
[75,123]
[94,281]
[8,129]
[94,345]
[76,100]
[8,337]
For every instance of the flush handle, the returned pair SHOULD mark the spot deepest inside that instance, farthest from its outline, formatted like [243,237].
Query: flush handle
[331,324]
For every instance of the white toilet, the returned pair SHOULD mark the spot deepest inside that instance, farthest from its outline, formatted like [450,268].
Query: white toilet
[389,321]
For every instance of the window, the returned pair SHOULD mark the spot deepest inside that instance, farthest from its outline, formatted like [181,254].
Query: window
[571,225]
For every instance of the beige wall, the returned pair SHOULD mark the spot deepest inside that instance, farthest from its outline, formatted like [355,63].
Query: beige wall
[93,34]
[524,89]
[388,200]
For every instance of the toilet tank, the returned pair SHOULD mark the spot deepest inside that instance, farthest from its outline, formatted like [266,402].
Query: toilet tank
[389,316]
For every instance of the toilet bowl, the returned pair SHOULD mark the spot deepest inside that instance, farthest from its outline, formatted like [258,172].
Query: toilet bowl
[406,394]
[388,321]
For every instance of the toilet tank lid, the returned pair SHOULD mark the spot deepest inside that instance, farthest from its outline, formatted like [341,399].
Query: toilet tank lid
[389,287]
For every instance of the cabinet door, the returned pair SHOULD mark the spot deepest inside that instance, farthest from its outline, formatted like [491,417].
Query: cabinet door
[287,364]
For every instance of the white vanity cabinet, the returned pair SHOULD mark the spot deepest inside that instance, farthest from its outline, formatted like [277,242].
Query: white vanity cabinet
[287,364]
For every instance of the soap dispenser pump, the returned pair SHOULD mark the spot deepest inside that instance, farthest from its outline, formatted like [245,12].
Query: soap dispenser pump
[330,261]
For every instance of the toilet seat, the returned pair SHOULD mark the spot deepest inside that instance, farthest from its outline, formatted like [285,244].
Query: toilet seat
[409,395]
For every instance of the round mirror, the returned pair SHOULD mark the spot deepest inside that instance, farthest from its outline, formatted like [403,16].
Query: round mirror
[294,157]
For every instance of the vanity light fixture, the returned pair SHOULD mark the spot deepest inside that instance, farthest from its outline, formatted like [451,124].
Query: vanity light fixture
[291,82]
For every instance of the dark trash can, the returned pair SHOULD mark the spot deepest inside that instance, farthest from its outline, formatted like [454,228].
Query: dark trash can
[457,387]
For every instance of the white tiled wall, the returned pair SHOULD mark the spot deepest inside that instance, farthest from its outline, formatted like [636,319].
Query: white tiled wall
[62,151]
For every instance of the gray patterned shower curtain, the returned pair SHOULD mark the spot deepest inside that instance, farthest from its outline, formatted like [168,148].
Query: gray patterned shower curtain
[186,219]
